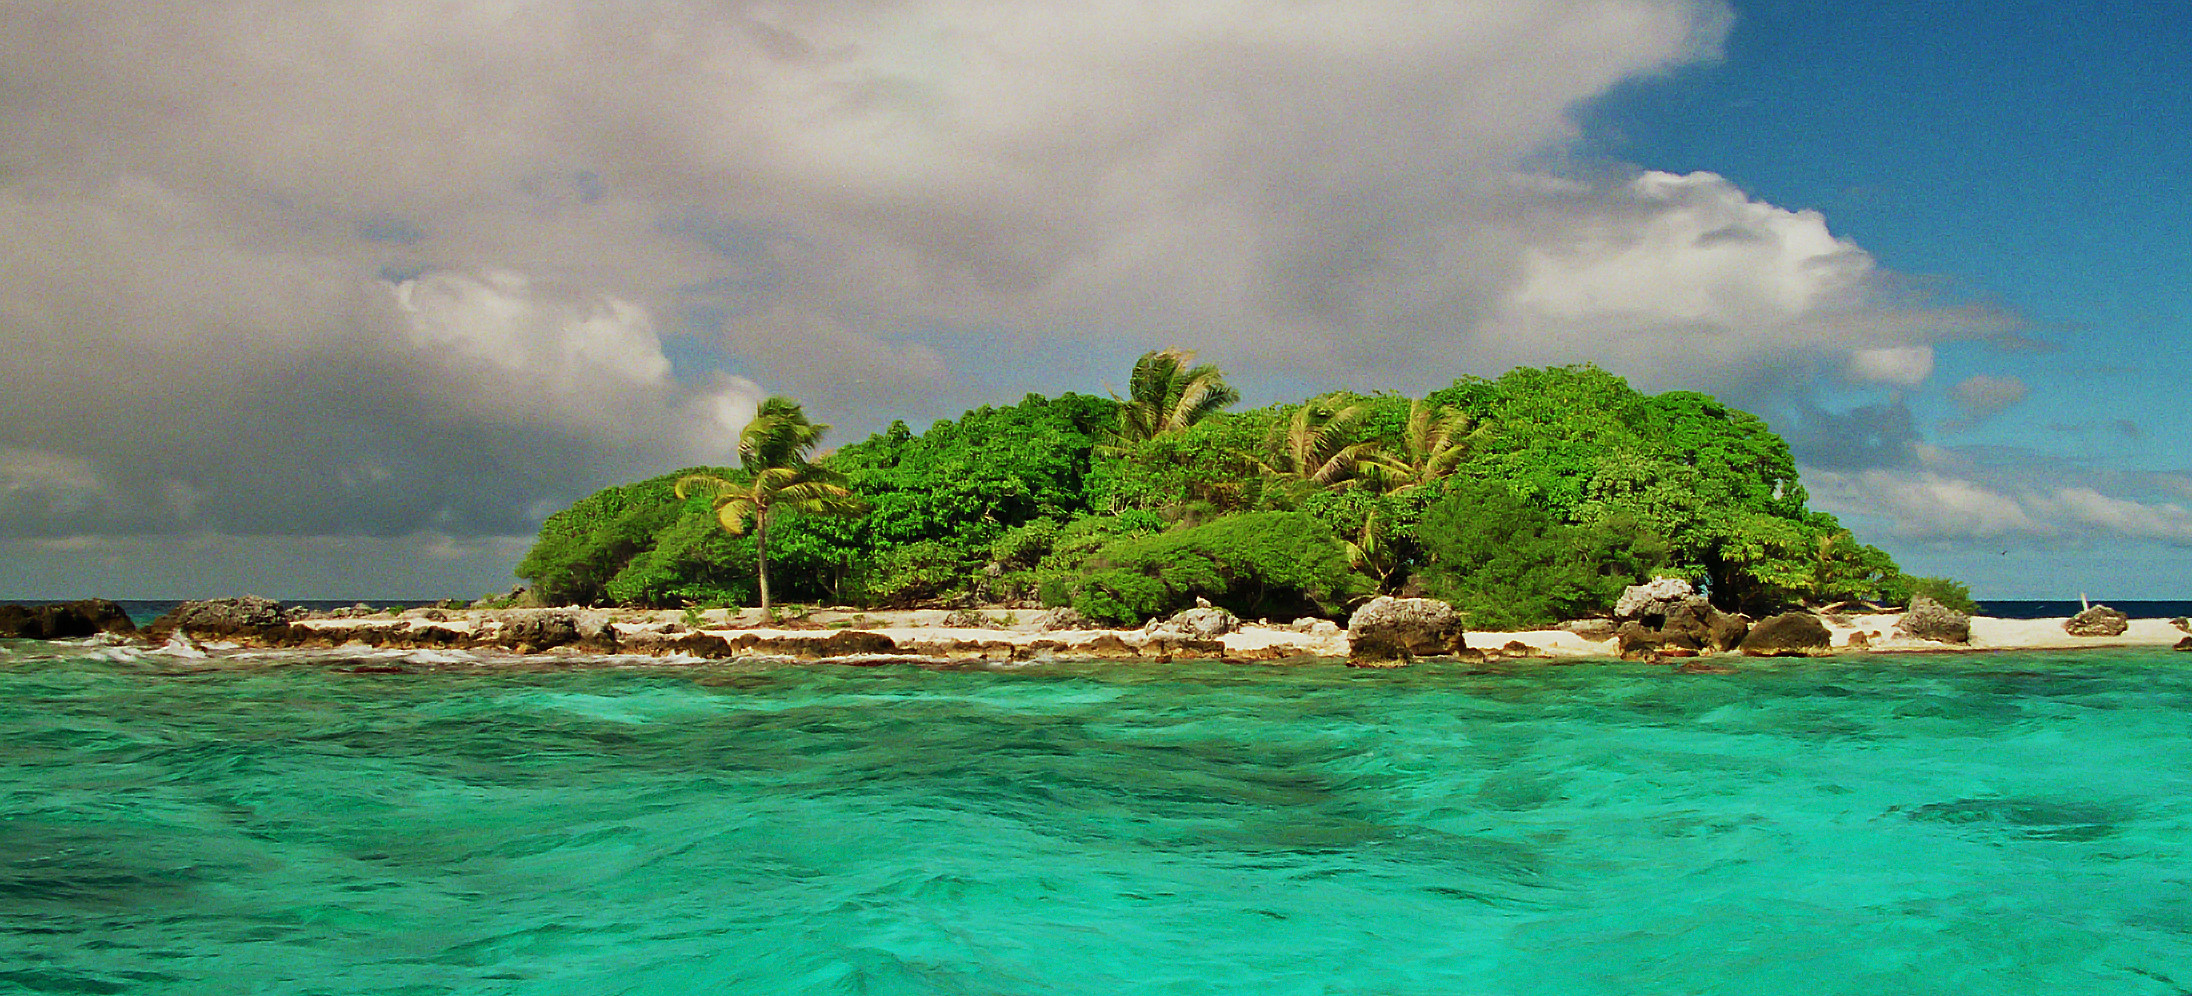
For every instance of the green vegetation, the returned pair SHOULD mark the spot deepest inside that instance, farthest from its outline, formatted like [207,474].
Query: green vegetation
[1524,499]
[1953,594]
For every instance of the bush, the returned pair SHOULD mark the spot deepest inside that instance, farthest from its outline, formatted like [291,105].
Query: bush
[1263,564]
[920,573]
[693,562]
[1954,594]
[582,547]
[1509,564]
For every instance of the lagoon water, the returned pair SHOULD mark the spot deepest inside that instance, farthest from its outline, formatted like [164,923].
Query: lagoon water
[1943,824]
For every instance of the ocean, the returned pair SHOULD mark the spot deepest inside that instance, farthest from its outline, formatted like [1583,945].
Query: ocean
[280,823]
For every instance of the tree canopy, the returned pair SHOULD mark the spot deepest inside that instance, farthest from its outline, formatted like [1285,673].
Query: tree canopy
[1523,499]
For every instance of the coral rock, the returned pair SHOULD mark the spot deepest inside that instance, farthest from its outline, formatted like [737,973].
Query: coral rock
[2099,620]
[1930,620]
[1790,634]
[1389,632]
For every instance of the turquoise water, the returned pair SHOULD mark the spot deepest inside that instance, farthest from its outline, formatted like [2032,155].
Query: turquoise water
[1951,824]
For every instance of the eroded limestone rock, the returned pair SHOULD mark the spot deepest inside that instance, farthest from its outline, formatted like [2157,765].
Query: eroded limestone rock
[2099,620]
[1928,619]
[1390,632]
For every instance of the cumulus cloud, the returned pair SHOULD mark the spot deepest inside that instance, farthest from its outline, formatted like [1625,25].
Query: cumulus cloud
[407,268]
[1952,495]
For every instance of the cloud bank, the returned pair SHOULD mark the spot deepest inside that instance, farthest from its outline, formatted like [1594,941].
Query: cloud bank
[412,269]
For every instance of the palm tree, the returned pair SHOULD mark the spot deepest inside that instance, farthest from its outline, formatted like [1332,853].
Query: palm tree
[774,449]
[1320,445]
[1437,440]
[1372,553]
[1167,395]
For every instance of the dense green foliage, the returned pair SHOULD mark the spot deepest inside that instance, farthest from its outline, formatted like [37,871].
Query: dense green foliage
[1523,499]
[1510,564]
[1261,564]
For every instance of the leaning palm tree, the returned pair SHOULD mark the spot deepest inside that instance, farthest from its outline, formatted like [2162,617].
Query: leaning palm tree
[1168,394]
[1321,445]
[1437,440]
[774,449]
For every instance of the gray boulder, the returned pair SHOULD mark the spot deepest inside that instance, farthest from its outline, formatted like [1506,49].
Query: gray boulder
[2098,620]
[1928,619]
[1654,600]
[1389,632]
[1200,623]
[1790,634]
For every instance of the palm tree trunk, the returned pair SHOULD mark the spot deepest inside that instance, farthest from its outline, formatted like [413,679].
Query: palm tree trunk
[761,557]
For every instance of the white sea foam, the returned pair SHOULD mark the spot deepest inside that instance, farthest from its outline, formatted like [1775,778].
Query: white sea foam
[179,645]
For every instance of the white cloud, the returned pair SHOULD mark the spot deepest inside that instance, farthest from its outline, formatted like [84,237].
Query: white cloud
[1929,504]
[393,266]
[1900,366]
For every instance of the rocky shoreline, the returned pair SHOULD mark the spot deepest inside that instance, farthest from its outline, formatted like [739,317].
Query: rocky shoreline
[1659,623]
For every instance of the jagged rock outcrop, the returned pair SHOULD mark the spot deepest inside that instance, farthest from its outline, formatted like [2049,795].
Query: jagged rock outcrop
[1390,632]
[2185,644]
[1184,648]
[671,640]
[535,630]
[2098,620]
[64,621]
[1790,634]
[1694,624]
[249,618]
[1636,641]
[1652,601]
[2182,623]
[1107,646]
[1927,619]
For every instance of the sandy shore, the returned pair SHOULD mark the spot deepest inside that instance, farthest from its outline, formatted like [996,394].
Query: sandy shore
[1016,635]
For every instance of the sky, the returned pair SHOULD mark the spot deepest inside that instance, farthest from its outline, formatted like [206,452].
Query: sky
[341,300]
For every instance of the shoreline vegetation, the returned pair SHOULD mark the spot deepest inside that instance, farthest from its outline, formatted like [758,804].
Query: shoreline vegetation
[1522,501]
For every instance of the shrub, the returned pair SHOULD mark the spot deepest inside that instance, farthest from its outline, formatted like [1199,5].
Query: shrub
[1508,563]
[1280,564]
[1954,594]
[692,562]
[917,573]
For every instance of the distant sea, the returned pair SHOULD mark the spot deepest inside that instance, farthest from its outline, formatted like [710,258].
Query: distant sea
[286,822]
[2003,608]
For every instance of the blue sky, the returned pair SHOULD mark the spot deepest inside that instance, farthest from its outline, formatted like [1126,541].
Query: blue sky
[2031,155]
[346,303]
